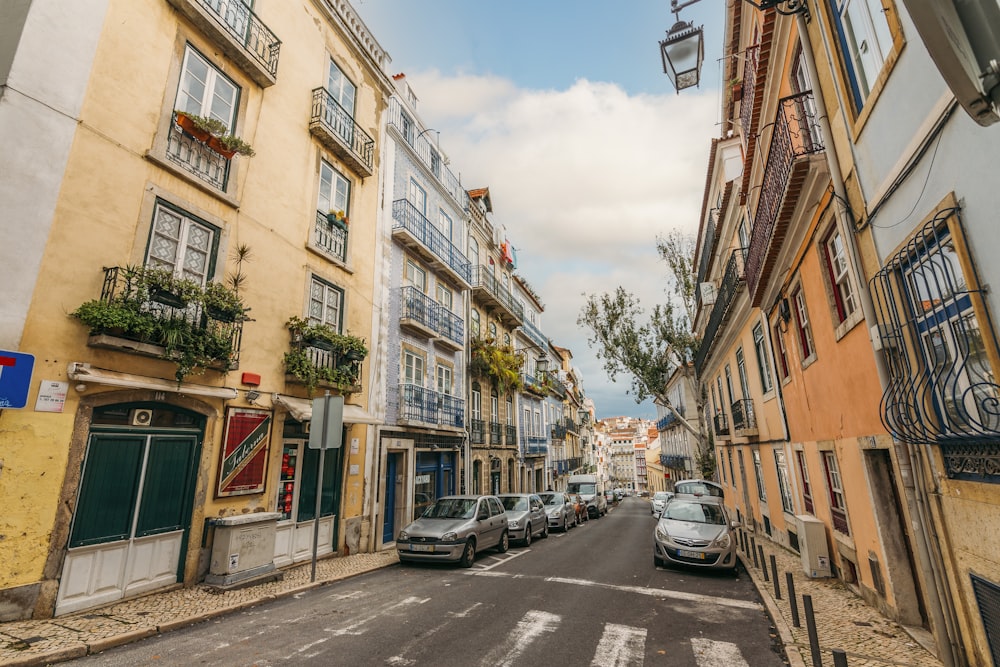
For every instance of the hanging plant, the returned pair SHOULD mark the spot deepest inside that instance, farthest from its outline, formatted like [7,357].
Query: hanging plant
[500,363]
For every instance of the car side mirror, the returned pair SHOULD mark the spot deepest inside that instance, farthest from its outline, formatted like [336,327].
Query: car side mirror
[734,524]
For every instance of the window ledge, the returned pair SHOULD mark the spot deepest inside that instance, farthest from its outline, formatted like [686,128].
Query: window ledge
[809,361]
[852,321]
[161,161]
[330,257]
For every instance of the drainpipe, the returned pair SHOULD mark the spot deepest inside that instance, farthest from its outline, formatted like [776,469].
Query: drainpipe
[931,568]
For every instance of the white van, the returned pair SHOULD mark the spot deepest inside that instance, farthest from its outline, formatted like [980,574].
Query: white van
[591,489]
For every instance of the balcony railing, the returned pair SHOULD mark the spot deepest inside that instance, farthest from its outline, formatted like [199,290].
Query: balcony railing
[495,430]
[428,153]
[413,229]
[707,247]
[749,92]
[330,237]
[558,432]
[477,431]
[488,288]
[417,404]
[510,435]
[794,135]
[840,521]
[743,417]
[197,158]
[721,424]
[239,32]
[336,129]
[664,422]
[450,326]
[732,282]
[418,311]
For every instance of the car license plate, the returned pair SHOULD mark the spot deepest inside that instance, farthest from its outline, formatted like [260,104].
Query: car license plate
[422,547]
[690,554]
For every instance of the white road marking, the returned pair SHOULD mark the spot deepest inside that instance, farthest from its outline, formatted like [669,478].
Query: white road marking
[620,646]
[528,629]
[479,567]
[352,629]
[710,653]
[662,593]
[464,614]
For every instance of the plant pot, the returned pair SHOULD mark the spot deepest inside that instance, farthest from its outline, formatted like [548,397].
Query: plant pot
[333,220]
[221,314]
[187,124]
[319,344]
[216,145]
[737,92]
[167,298]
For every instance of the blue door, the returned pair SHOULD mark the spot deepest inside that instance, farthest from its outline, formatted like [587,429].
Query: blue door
[389,512]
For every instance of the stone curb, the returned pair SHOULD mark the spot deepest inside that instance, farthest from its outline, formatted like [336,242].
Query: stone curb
[792,653]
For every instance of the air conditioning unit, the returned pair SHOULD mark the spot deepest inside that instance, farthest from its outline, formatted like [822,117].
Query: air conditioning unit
[141,417]
[305,427]
[706,293]
[812,546]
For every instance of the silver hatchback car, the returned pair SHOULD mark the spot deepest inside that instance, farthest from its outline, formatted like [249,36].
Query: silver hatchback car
[455,528]
[695,531]
[525,516]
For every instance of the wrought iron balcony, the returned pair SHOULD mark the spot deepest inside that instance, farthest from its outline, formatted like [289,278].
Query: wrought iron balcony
[340,133]
[413,230]
[477,431]
[330,237]
[794,137]
[195,157]
[418,312]
[729,289]
[429,407]
[748,91]
[135,320]
[495,431]
[707,248]
[534,445]
[558,432]
[492,294]
[428,153]
[510,435]
[744,421]
[450,328]
[721,424]
[239,33]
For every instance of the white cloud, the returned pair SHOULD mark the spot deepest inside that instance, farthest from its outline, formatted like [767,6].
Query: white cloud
[583,179]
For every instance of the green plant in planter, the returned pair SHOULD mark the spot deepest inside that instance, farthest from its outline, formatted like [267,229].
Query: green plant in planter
[117,317]
[222,303]
[164,287]
[235,144]
[500,363]
[218,130]
[194,348]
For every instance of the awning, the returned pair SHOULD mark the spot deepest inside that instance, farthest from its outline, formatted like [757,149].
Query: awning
[82,372]
[301,409]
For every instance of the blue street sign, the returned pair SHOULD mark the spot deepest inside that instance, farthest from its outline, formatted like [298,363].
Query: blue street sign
[15,378]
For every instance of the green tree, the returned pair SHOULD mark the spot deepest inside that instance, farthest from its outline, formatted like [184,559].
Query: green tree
[651,349]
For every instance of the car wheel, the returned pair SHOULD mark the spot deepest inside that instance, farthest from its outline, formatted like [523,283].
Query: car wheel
[545,530]
[527,535]
[468,554]
[504,544]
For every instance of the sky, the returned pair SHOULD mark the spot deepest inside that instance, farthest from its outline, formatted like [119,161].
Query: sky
[562,109]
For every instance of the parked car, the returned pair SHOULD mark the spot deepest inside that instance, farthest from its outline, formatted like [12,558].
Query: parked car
[559,510]
[697,532]
[700,488]
[580,505]
[525,516]
[455,528]
[592,490]
[660,499]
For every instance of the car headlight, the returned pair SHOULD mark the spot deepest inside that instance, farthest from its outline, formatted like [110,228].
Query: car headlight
[722,541]
[512,523]
[553,513]
[449,537]
[403,536]
[661,534]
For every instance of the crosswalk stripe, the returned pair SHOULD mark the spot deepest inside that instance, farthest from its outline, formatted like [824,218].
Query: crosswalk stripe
[620,646]
[356,627]
[528,629]
[710,653]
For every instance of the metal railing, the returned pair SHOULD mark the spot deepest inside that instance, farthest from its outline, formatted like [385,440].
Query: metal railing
[794,133]
[483,279]
[330,237]
[449,325]
[707,246]
[196,157]
[721,424]
[731,283]
[422,146]
[477,431]
[743,415]
[510,435]
[417,306]
[750,58]
[495,431]
[406,216]
[430,407]
[247,29]
[336,119]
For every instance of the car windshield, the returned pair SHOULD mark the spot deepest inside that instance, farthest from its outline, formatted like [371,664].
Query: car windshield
[699,489]
[552,498]
[586,488]
[661,495]
[451,508]
[695,512]
[515,503]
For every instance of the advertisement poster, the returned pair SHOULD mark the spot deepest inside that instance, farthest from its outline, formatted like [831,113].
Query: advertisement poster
[244,454]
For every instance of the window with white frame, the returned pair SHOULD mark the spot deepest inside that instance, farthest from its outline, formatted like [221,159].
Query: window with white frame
[806,345]
[741,366]
[414,275]
[445,223]
[807,498]
[844,294]
[444,379]
[493,330]
[867,41]
[477,402]
[444,295]
[418,197]
[536,424]
[838,506]
[784,487]
[729,385]
[406,127]
[334,190]
[343,91]
[181,244]
[473,252]
[205,91]
[759,475]
[413,368]
[510,410]
[763,365]
[474,324]
[781,352]
[325,303]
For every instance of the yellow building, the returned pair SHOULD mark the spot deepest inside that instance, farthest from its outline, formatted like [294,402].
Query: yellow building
[153,417]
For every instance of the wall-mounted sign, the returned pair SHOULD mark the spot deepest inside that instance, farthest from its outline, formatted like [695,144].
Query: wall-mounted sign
[244,452]
[51,396]
[422,479]
[15,378]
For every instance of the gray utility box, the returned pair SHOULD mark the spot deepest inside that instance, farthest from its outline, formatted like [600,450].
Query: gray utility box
[812,546]
[243,548]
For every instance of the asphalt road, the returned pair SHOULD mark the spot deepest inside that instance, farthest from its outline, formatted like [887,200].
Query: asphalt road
[591,596]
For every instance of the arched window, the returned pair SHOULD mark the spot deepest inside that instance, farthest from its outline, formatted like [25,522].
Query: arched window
[474,325]
[493,330]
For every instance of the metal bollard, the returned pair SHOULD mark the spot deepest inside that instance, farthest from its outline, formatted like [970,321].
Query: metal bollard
[792,603]
[763,562]
[774,576]
[807,603]
[753,550]
[839,658]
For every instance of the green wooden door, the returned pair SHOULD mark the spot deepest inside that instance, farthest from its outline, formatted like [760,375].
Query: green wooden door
[109,489]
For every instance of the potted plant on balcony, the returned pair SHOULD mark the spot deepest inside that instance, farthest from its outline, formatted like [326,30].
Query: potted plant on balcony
[166,288]
[118,317]
[213,133]
[337,219]
[737,87]
[500,363]
[222,303]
